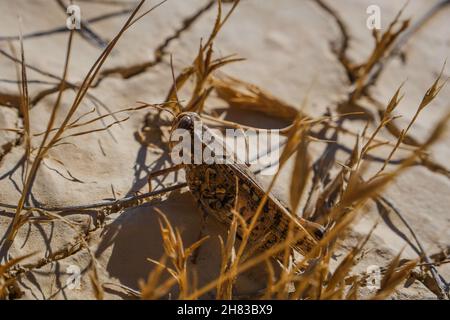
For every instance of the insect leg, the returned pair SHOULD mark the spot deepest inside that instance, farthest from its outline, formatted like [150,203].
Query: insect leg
[160,173]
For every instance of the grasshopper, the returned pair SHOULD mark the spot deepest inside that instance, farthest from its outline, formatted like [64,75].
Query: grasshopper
[221,188]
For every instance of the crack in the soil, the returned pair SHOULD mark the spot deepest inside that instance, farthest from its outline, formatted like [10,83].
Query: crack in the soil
[7,147]
[403,39]
[97,222]
[13,101]
[126,72]
[159,53]
[9,100]
[45,33]
[342,57]
[85,30]
[341,52]
[373,76]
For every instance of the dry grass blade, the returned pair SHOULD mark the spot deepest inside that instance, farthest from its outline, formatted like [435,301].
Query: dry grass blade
[24,108]
[92,130]
[341,272]
[219,21]
[7,284]
[62,84]
[383,44]
[340,200]
[77,124]
[25,102]
[228,253]
[79,97]
[224,289]
[96,285]
[246,96]
[300,172]
[176,252]
[393,276]
[385,120]
[429,96]
[202,68]
[151,289]
[274,251]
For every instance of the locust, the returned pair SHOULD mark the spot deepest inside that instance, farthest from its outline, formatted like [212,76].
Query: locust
[221,188]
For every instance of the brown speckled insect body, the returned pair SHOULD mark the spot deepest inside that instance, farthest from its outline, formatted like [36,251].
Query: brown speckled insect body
[216,186]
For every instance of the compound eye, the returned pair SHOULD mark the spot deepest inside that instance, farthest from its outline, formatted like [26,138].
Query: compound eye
[319,233]
[186,122]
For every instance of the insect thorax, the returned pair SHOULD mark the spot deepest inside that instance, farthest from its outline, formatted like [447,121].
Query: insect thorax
[215,193]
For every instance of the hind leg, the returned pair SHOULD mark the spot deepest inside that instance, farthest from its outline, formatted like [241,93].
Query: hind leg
[160,173]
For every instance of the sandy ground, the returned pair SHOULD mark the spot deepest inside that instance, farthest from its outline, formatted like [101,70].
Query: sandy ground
[287,45]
